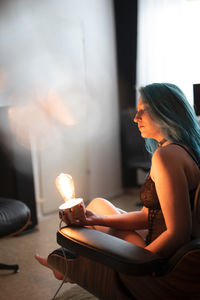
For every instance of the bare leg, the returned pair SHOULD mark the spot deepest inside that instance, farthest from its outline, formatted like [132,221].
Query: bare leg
[102,206]
[43,261]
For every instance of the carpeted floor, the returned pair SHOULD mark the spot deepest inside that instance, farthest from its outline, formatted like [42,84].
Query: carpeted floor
[76,293]
[35,282]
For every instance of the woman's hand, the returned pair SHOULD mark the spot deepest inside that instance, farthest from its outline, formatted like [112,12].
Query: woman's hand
[86,217]
[91,218]
[64,215]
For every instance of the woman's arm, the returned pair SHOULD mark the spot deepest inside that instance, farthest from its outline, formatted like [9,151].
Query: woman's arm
[172,189]
[126,221]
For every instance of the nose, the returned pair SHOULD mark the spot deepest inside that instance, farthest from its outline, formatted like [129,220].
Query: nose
[137,117]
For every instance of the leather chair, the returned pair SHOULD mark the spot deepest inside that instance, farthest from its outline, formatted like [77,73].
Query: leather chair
[14,218]
[111,268]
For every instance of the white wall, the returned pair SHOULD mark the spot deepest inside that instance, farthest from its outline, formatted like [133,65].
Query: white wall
[58,61]
[168,43]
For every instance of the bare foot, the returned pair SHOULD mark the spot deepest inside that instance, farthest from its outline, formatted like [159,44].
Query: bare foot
[43,261]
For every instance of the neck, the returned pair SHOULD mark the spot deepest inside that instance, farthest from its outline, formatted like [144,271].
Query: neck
[161,142]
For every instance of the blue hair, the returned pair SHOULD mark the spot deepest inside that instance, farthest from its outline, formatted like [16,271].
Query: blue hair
[174,114]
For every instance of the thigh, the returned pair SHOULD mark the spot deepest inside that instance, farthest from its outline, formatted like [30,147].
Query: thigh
[102,206]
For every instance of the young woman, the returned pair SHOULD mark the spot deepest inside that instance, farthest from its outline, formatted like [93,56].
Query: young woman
[172,135]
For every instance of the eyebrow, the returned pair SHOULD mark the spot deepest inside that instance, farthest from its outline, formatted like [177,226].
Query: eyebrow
[143,106]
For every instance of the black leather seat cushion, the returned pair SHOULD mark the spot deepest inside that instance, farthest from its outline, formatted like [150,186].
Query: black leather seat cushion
[14,215]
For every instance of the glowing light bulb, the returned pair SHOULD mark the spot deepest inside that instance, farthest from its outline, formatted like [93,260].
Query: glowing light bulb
[65,186]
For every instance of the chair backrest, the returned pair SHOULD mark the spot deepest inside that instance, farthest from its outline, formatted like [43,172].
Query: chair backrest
[196,214]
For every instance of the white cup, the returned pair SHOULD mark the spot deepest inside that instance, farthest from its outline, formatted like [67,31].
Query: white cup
[77,204]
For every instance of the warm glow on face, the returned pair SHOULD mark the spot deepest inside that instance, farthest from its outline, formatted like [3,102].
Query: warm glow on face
[65,185]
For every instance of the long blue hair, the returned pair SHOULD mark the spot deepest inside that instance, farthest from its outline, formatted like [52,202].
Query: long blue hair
[174,115]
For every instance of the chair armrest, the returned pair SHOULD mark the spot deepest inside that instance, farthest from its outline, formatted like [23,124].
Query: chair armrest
[187,249]
[122,256]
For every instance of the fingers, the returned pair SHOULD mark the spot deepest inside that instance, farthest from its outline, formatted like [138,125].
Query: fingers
[75,215]
[69,215]
[83,213]
[64,216]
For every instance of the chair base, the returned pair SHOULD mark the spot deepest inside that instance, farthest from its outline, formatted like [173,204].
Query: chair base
[15,268]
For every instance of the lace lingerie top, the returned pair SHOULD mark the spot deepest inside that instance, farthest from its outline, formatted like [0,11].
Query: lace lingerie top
[149,198]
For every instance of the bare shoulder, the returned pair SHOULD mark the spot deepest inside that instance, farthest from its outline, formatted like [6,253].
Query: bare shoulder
[167,160]
[171,152]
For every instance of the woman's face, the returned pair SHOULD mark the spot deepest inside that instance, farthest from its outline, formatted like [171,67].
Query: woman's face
[147,122]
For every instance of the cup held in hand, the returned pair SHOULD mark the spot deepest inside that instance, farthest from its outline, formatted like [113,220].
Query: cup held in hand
[75,204]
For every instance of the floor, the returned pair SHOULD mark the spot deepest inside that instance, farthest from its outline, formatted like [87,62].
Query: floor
[34,282]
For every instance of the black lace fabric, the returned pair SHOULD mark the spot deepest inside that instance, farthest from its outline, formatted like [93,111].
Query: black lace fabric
[149,198]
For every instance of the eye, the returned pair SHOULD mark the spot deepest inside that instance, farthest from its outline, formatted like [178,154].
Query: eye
[146,109]
[140,111]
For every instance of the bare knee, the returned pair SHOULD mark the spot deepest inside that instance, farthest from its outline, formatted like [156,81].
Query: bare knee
[102,206]
[96,202]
